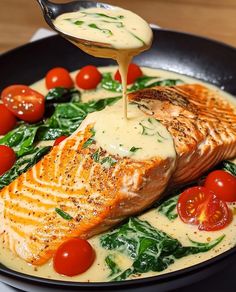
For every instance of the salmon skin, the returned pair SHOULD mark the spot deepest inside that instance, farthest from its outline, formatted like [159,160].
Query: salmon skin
[91,197]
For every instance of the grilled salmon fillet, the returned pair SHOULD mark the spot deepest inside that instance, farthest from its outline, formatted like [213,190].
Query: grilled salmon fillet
[201,122]
[97,197]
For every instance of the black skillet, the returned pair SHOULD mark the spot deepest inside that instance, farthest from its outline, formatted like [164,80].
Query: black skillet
[194,56]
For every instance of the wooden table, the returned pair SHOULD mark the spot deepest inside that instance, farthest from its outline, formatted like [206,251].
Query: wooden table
[215,19]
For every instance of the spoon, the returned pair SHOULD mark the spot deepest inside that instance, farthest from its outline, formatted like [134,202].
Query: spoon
[52,10]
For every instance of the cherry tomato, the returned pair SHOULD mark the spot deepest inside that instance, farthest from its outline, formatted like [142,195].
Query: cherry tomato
[134,72]
[223,184]
[7,158]
[59,77]
[59,140]
[200,206]
[88,77]
[73,257]
[7,120]
[24,102]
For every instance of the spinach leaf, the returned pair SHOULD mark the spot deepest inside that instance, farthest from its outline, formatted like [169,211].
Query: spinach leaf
[149,248]
[142,82]
[229,166]
[168,208]
[45,133]
[110,84]
[61,94]
[21,139]
[112,265]
[67,117]
[22,165]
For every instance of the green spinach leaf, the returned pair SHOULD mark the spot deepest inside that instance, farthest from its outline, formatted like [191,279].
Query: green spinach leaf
[112,265]
[149,248]
[110,84]
[229,166]
[168,208]
[142,82]
[61,94]
[67,117]
[21,139]
[22,165]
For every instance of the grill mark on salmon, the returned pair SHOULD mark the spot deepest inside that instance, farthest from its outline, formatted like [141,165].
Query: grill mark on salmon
[97,198]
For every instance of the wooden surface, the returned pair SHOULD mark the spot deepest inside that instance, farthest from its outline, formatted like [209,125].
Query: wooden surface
[216,19]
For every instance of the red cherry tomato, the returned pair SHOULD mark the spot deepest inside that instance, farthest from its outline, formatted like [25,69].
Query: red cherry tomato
[88,77]
[24,102]
[223,184]
[59,140]
[7,120]
[73,257]
[134,72]
[58,77]
[7,158]
[200,206]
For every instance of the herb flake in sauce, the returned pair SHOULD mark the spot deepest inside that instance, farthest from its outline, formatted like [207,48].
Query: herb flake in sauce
[63,214]
[103,30]
[134,149]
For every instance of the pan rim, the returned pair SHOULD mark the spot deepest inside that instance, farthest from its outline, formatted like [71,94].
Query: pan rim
[127,283]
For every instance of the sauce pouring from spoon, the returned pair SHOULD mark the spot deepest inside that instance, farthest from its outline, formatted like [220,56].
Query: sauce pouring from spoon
[101,30]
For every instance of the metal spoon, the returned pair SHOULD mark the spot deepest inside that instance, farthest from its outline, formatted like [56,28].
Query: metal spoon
[52,10]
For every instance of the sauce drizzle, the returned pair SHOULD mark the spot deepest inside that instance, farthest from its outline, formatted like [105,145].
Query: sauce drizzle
[125,33]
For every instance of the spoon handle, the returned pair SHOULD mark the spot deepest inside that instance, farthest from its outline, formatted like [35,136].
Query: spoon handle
[47,7]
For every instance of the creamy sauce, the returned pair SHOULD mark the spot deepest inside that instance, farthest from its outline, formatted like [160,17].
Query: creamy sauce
[141,138]
[124,33]
[99,271]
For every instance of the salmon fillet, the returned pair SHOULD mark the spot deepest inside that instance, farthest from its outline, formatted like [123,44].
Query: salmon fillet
[97,197]
[201,122]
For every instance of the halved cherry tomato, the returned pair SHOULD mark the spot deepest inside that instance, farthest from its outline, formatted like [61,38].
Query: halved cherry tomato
[73,257]
[200,206]
[24,102]
[134,72]
[58,77]
[7,158]
[223,184]
[59,140]
[88,77]
[7,120]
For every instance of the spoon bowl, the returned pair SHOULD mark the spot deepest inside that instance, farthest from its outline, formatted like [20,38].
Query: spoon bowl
[52,10]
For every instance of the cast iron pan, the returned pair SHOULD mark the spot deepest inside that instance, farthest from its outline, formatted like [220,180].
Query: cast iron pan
[194,56]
